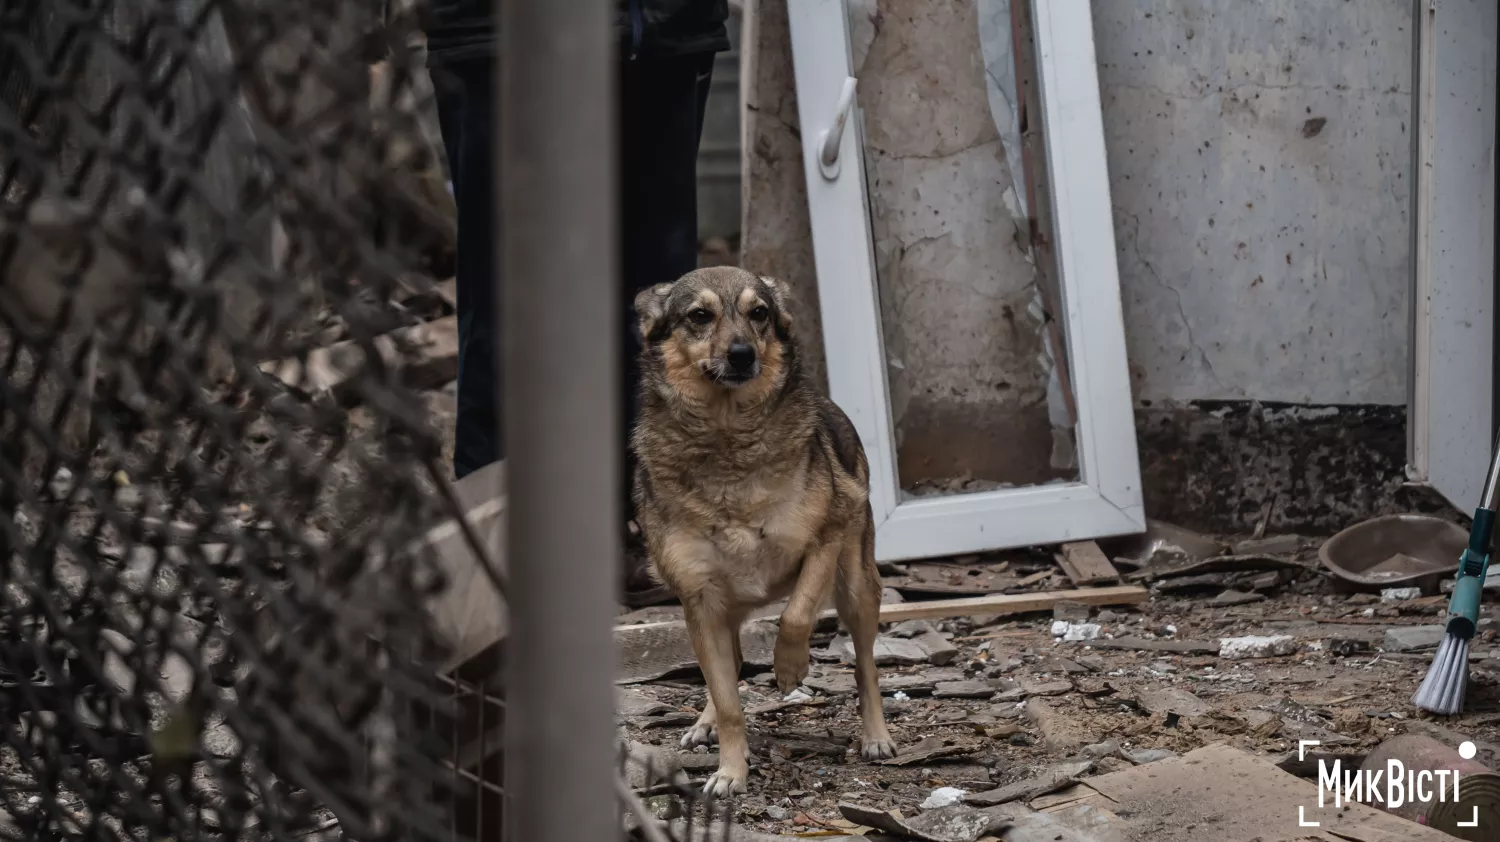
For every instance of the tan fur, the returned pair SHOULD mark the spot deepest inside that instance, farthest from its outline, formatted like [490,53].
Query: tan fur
[748,493]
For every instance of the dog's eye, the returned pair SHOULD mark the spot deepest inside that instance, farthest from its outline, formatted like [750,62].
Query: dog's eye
[760,314]
[700,316]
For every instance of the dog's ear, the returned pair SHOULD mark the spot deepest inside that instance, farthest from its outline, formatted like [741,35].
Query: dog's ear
[783,314]
[651,312]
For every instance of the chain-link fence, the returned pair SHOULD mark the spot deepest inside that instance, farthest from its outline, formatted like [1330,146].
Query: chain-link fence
[238,599]
[216,617]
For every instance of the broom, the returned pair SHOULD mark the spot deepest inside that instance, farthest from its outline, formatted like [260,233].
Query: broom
[1442,691]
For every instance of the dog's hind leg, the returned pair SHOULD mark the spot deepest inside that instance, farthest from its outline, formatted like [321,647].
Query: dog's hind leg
[857,597]
[714,634]
[801,614]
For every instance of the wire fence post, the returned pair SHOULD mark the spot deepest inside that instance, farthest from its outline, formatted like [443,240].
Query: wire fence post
[561,323]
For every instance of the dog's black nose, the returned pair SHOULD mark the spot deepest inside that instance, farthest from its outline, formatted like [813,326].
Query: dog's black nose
[741,356]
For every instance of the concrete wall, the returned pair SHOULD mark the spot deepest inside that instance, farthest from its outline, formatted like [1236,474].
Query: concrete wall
[1259,165]
[1259,157]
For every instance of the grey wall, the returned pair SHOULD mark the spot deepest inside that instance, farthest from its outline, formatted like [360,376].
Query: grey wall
[1259,161]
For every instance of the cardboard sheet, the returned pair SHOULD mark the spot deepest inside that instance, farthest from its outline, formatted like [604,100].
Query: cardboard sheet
[1223,794]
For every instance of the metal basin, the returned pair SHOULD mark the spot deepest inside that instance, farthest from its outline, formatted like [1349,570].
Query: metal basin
[1395,551]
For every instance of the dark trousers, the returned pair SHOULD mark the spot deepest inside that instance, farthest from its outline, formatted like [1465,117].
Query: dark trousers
[661,120]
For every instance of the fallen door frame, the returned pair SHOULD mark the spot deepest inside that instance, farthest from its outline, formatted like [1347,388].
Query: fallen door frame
[1107,498]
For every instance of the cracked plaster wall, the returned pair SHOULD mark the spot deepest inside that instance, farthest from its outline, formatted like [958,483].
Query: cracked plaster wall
[1259,159]
[961,310]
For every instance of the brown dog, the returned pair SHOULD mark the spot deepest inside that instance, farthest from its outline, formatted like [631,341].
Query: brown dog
[751,487]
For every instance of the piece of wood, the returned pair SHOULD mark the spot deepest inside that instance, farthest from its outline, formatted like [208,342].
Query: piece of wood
[1020,603]
[1086,564]
[652,650]
[1139,644]
[931,749]
[1038,576]
[1047,779]
[426,354]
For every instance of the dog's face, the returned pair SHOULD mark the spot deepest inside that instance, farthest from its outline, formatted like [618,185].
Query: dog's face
[720,328]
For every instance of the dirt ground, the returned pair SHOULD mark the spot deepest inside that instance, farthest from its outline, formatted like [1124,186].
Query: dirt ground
[1007,698]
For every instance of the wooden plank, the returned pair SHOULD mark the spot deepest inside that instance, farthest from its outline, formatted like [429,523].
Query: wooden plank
[652,650]
[940,609]
[1020,603]
[426,354]
[1086,564]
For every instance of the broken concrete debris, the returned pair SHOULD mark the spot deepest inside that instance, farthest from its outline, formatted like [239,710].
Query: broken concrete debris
[1073,612]
[1074,632]
[918,643]
[1412,638]
[968,689]
[1142,756]
[1256,646]
[1400,594]
[1165,700]
[942,797]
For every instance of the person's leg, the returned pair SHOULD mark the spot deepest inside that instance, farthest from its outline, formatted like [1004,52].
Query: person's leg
[467,119]
[447,91]
[661,121]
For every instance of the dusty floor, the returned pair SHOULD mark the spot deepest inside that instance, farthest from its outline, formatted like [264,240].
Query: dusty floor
[1152,680]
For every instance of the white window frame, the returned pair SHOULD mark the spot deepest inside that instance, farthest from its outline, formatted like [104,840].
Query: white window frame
[1107,499]
[1453,211]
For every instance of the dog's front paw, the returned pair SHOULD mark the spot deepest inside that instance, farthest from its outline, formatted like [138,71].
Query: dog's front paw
[883,749]
[791,665]
[701,734]
[726,782]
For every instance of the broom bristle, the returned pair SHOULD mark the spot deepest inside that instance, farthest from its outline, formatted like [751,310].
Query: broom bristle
[1442,691]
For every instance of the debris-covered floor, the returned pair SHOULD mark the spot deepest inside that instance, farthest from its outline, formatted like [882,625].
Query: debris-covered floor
[1195,645]
[1008,709]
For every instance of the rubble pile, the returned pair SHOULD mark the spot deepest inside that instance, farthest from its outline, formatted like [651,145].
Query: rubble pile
[1242,645]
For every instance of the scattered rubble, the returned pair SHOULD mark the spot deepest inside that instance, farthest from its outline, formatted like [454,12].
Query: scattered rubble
[1005,725]
[953,823]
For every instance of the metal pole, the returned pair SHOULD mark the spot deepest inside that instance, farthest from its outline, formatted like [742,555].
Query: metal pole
[561,324]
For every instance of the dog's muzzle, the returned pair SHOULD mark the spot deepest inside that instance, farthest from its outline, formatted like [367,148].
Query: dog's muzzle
[740,364]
